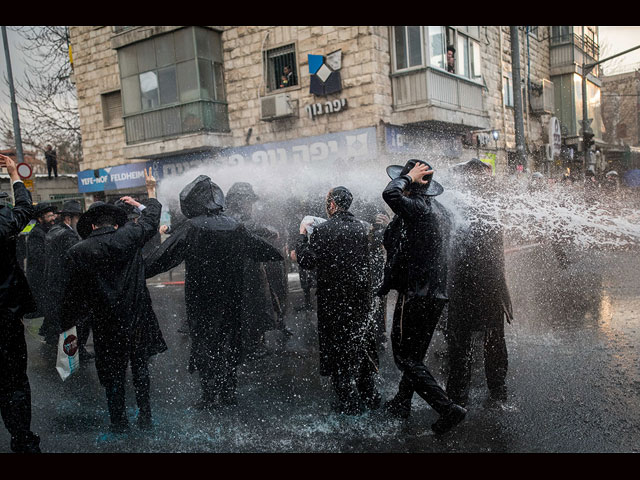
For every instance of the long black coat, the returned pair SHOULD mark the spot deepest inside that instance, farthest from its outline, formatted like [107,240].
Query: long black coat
[339,251]
[15,294]
[36,264]
[58,241]
[478,293]
[417,242]
[213,246]
[107,282]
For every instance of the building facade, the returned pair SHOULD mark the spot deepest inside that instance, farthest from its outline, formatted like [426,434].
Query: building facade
[180,96]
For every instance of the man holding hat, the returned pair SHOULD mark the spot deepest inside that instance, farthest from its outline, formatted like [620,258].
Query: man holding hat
[15,301]
[107,283]
[62,236]
[416,242]
[45,214]
[339,251]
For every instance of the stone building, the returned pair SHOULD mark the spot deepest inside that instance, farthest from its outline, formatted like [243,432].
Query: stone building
[180,97]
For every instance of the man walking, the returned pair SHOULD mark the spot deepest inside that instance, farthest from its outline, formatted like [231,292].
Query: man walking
[15,301]
[213,246]
[339,251]
[52,161]
[45,214]
[416,242]
[107,283]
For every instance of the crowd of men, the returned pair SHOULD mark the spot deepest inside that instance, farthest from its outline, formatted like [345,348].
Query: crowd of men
[95,265]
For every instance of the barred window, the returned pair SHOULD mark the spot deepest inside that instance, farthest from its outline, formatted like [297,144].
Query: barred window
[281,66]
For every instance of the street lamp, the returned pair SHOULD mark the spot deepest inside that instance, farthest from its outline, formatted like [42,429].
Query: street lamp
[495,134]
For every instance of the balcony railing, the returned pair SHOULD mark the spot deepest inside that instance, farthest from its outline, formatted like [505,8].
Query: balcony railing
[569,49]
[428,86]
[200,116]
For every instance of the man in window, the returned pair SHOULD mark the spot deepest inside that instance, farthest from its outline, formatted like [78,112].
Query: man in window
[289,78]
[451,59]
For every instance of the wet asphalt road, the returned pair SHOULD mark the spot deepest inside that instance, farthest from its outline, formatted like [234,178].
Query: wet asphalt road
[574,381]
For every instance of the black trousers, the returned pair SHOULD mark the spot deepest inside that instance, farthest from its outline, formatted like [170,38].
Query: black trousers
[112,371]
[414,321]
[15,391]
[460,344]
[355,387]
[52,166]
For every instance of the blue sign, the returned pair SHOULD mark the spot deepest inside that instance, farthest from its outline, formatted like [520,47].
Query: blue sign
[112,178]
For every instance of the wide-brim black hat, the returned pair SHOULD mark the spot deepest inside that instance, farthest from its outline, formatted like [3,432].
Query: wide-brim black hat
[241,190]
[42,208]
[472,166]
[97,210]
[432,189]
[71,207]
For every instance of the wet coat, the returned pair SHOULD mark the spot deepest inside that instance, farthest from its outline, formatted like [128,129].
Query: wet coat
[416,241]
[258,313]
[213,246]
[58,241]
[15,294]
[338,249]
[478,293]
[36,265]
[107,283]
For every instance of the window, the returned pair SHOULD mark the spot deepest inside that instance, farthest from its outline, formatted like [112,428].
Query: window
[452,49]
[173,84]
[111,109]
[507,93]
[282,68]
[533,32]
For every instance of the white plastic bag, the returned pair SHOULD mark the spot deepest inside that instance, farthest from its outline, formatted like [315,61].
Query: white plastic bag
[68,353]
[312,222]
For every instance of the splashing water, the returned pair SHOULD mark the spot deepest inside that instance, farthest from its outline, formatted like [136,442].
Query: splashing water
[561,212]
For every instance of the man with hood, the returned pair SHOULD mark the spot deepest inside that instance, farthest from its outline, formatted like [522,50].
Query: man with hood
[258,315]
[62,236]
[416,242]
[107,283]
[213,246]
[479,299]
[339,250]
[45,215]
[15,301]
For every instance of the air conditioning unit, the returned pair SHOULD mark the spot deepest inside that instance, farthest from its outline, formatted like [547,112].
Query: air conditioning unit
[541,97]
[276,106]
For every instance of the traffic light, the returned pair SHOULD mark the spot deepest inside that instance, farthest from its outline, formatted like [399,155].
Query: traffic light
[588,140]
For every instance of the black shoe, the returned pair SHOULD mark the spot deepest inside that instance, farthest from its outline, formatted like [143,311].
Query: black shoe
[398,409]
[372,402]
[347,409]
[498,395]
[449,420]
[144,421]
[86,355]
[29,444]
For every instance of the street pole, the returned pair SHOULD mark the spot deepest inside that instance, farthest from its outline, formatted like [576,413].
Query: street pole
[14,105]
[517,97]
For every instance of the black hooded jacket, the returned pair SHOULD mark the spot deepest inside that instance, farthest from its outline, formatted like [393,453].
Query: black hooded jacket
[416,241]
[213,246]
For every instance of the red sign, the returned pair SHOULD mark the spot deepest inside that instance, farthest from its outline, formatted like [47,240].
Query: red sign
[24,170]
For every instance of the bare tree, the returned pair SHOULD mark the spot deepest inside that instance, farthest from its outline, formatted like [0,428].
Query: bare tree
[46,96]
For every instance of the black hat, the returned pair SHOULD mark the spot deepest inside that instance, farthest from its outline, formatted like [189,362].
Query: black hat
[242,190]
[42,208]
[97,210]
[342,197]
[201,197]
[472,166]
[132,211]
[71,207]
[430,189]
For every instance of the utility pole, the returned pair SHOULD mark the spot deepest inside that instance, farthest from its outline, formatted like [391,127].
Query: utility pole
[14,105]
[587,131]
[517,97]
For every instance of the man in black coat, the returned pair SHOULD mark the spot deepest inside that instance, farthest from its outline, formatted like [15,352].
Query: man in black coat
[339,251]
[258,315]
[213,246]
[15,301]
[479,299]
[416,242]
[45,214]
[58,241]
[107,283]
